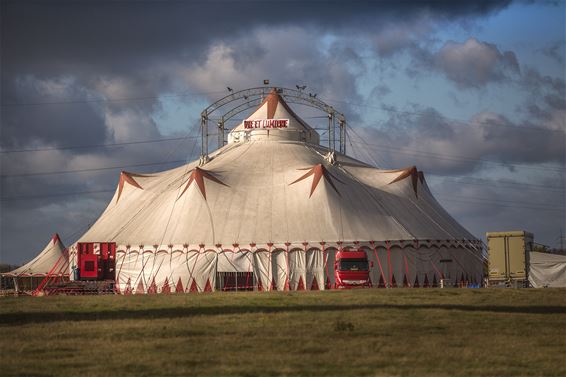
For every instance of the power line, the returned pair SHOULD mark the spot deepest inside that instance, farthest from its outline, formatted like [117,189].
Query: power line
[98,145]
[102,100]
[497,184]
[186,94]
[462,121]
[541,205]
[92,169]
[460,199]
[26,197]
[496,204]
[448,157]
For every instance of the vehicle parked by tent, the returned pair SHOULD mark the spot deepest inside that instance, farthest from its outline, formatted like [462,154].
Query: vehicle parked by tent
[513,263]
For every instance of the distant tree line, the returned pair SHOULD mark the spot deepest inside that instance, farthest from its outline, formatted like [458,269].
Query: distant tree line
[547,249]
[7,267]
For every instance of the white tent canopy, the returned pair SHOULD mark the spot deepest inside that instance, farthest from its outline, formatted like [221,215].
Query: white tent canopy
[43,263]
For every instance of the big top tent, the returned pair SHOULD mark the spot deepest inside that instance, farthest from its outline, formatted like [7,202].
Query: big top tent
[271,208]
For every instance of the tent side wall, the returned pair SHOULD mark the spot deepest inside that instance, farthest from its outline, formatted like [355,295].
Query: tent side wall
[547,270]
[189,270]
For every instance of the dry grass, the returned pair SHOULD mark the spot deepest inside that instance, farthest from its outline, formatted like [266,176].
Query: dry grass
[407,332]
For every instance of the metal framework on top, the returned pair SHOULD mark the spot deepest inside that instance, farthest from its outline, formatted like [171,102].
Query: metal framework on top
[237,102]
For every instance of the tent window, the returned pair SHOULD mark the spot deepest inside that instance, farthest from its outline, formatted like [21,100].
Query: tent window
[235,281]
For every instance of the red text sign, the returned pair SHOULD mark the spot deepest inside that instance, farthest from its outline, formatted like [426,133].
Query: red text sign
[266,123]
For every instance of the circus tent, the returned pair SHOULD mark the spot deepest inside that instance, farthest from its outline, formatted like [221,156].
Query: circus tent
[30,275]
[270,209]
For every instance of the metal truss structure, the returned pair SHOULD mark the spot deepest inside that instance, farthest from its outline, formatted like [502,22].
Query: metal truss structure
[237,102]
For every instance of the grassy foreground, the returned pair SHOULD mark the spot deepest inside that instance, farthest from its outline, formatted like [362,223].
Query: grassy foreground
[377,332]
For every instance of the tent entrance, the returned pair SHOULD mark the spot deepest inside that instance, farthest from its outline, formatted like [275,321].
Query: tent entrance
[235,281]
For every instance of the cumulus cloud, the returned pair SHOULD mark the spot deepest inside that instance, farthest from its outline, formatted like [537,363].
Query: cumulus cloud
[555,51]
[284,55]
[473,64]
[545,106]
[448,147]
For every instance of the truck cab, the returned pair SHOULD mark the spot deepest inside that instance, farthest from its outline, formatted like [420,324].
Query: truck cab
[351,269]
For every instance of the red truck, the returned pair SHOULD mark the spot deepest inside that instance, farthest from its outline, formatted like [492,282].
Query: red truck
[351,269]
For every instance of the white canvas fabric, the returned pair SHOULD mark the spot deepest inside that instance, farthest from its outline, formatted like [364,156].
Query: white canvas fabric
[297,269]
[315,269]
[330,259]
[262,269]
[45,261]
[280,270]
[259,203]
[547,270]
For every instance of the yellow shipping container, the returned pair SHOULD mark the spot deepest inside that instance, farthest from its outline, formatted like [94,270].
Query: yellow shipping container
[509,257]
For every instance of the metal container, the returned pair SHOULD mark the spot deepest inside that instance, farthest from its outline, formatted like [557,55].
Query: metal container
[509,257]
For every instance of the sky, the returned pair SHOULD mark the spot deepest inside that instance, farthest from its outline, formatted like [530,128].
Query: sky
[471,92]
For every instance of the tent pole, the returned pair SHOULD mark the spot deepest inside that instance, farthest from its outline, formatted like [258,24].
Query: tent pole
[342,136]
[221,133]
[330,131]
[388,244]
[341,130]
[204,136]
[333,133]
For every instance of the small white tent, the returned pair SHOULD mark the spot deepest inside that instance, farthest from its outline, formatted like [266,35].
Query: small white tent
[28,276]
[547,270]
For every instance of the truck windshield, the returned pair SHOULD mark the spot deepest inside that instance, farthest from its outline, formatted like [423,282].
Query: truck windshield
[353,265]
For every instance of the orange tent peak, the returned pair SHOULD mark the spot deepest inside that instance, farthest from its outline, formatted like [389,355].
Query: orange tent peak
[318,171]
[272,101]
[126,177]
[56,239]
[412,172]
[198,175]
[421,177]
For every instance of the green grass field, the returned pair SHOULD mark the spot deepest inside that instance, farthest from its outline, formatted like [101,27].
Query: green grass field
[376,332]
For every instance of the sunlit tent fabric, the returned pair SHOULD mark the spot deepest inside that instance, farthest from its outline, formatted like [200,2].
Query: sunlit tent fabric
[43,263]
[270,209]
[547,270]
[30,275]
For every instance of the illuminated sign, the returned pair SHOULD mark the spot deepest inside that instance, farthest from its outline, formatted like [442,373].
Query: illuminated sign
[266,123]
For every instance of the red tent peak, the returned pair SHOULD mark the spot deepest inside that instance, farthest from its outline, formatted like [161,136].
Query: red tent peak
[412,172]
[198,175]
[272,100]
[126,177]
[56,239]
[318,171]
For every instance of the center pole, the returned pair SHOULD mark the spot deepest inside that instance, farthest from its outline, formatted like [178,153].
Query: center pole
[330,130]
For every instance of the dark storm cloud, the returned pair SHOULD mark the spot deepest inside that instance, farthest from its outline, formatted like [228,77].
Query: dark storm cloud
[112,35]
[57,124]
